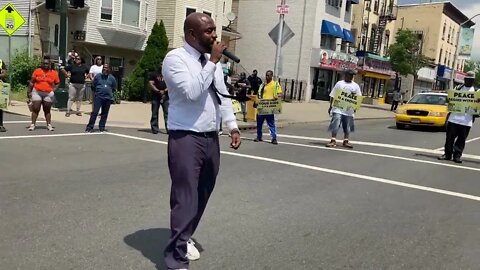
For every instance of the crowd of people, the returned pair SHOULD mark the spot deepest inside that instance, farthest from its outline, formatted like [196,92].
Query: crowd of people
[45,81]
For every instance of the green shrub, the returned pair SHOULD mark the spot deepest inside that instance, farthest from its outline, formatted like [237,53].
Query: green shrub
[155,51]
[22,68]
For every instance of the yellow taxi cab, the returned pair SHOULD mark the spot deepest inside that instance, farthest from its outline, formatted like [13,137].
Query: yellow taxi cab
[423,109]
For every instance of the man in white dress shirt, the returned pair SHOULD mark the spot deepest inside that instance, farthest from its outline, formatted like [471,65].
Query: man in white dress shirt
[193,75]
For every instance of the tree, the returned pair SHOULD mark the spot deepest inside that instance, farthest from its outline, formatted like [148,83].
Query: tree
[155,51]
[473,65]
[405,55]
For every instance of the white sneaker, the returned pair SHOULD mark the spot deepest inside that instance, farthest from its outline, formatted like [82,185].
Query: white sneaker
[192,252]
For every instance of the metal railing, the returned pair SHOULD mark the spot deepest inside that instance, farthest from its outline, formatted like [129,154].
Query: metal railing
[293,90]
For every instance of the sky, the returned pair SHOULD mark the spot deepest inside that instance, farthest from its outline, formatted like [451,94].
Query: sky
[469,8]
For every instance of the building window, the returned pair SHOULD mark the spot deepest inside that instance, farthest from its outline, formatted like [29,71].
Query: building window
[130,12]
[449,34]
[208,13]
[444,29]
[106,10]
[440,56]
[146,17]
[328,42]
[375,7]
[348,6]
[190,11]
[335,3]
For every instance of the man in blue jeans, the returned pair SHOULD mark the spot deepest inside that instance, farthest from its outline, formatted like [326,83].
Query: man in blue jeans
[103,85]
[341,117]
[269,90]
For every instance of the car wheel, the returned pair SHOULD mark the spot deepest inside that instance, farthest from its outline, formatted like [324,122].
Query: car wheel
[400,126]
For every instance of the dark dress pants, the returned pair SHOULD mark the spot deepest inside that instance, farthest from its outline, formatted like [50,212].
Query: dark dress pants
[104,104]
[156,103]
[394,105]
[193,161]
[456,137]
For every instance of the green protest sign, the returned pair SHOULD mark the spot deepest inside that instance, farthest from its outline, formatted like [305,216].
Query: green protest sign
[464,102]
[347,101]
[269,106]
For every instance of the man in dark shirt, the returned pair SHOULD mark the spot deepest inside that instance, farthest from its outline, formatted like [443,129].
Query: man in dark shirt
[159,98]
[77,72]
[255,82]
[243,84]
[103,84]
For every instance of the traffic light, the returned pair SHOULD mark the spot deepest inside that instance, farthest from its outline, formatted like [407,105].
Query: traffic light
[51,4]
[77,3]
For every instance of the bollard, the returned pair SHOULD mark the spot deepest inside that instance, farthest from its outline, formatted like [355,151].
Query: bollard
[2,128]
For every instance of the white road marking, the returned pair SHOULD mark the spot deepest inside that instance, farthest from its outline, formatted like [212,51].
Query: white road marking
[382,155]
[21,122]
[48,135]
[383,145]
[468,141]
[325,170]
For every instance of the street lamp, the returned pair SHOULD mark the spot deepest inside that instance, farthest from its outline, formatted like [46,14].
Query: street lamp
[455,60]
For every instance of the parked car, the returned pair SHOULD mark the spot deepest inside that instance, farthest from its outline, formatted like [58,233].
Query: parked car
[424,109]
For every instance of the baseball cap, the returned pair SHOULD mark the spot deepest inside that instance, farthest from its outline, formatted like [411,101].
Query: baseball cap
[350,71]
[470,75]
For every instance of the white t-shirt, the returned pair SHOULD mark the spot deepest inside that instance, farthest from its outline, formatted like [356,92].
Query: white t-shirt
[96,70]
[462,118]
[351,87]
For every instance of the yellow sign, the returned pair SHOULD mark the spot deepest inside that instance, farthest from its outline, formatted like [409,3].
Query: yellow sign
[464,102]
[237,107]
[347,101]
[269,106]
[10,19]
[4,95]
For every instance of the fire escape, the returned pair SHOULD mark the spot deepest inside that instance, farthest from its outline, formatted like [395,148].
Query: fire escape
[388,13]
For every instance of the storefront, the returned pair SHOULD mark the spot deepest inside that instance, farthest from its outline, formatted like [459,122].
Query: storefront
[375,75]
[444,75]
[327,67]
[425,80]
[459,77]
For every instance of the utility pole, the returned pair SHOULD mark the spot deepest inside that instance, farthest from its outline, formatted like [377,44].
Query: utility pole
[61,94]
[279,43]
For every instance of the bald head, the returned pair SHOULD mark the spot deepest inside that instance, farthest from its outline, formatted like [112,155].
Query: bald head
[200,31]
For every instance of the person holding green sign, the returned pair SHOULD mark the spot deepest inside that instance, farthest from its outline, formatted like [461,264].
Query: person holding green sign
[342,109]
[458,126]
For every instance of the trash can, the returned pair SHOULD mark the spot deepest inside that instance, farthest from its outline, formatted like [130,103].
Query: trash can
[61,98]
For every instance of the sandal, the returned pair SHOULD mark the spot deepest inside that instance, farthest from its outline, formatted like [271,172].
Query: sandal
[50,128]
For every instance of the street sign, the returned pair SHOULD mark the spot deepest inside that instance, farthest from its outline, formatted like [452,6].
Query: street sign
[286,35]
[282,9]
[10,19]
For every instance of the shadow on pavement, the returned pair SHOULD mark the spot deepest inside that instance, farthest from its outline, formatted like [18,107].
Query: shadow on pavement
[420,128]
[435,157]
[151,243]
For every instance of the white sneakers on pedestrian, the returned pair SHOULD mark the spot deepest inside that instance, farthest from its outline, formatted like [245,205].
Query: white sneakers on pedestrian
[192,252]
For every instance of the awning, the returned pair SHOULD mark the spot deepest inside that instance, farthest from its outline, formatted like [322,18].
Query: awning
[347,36]
[376,75]
[354,1]
[331,29]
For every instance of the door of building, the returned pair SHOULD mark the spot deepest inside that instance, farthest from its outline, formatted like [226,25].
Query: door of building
[322,84]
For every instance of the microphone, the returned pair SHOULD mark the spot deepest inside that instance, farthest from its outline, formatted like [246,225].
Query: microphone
[231,56]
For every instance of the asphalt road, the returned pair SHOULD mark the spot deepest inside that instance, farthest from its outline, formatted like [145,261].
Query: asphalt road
[101,201]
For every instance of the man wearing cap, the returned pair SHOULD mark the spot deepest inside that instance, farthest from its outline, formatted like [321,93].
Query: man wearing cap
[458,126]
[343,117]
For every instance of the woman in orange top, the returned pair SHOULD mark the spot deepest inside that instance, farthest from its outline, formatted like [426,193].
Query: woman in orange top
[45,81]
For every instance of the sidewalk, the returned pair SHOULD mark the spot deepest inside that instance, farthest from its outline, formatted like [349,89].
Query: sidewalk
[137,114]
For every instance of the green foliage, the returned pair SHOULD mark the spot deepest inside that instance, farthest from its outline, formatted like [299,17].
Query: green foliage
[472,65]
[22,68]
[155,51]
[405,55]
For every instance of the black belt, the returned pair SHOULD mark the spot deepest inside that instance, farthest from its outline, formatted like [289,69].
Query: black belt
[207,134]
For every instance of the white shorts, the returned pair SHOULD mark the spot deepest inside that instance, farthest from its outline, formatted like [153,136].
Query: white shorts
[43,96]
